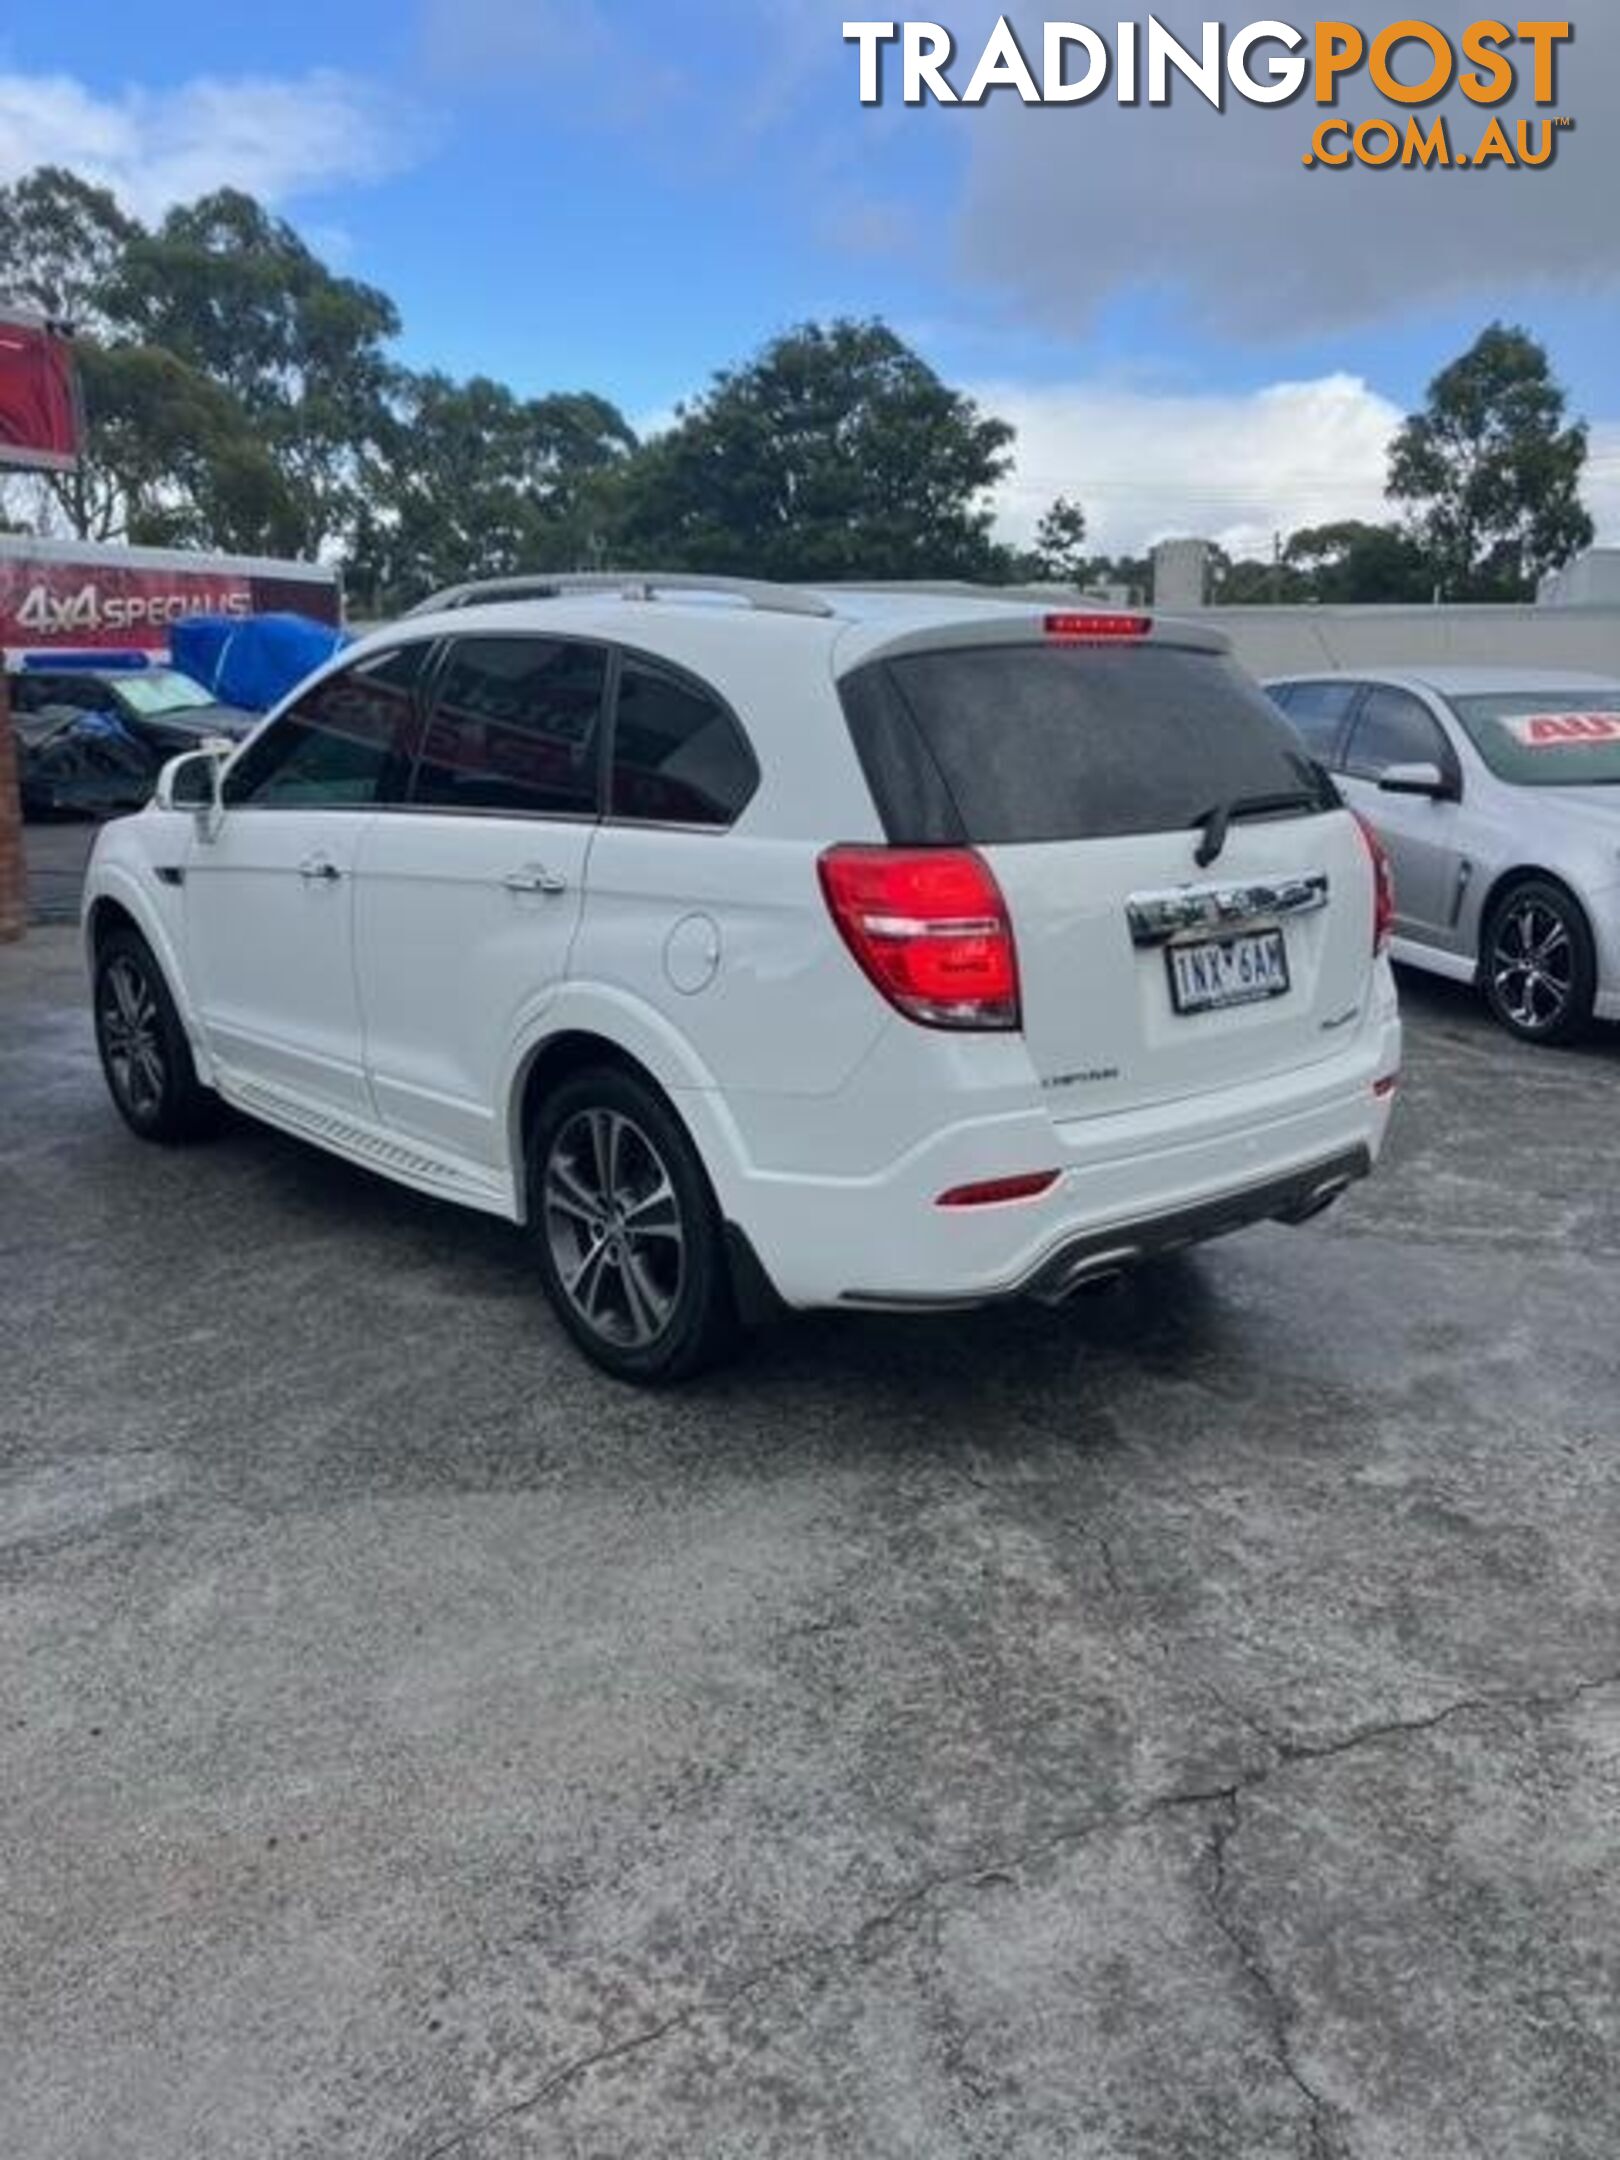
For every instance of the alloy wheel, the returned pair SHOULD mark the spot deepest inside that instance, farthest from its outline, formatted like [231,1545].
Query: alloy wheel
[613,1223]
[1533,966]
[130,1032]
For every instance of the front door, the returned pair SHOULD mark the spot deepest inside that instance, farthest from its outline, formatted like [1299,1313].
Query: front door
[269,893]
[1392,727]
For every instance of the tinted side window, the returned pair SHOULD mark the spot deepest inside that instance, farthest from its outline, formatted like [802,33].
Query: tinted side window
[1319,711]
[1055,742]
[516,726]
[347,743]
[1393,728]
[678,756]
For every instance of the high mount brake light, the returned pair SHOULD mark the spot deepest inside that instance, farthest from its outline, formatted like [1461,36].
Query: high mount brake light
[930,929]
[1383,885]
[1097,629]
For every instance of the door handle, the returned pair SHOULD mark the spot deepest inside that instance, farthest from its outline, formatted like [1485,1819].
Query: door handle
[318,869]
[535,877]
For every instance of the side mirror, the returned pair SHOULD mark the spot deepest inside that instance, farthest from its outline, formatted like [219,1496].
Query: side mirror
[1415,780]
[191,782]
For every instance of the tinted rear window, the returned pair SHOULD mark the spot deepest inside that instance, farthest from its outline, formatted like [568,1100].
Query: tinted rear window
[1010,743]
[678,756]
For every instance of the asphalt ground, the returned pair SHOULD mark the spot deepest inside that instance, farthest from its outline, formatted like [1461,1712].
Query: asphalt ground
[1184,1724]
[55,852]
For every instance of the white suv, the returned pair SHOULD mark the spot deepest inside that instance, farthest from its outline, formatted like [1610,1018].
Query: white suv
[758,946]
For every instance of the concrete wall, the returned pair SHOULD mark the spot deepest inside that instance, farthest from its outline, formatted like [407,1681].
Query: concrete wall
[1591,580]
[1180,575]
[1288,640]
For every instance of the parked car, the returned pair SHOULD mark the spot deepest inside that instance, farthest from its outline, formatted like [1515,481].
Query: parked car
[93,739]
[1497,793]
[755,945]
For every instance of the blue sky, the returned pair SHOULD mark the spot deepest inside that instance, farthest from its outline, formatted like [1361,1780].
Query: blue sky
[1189,331]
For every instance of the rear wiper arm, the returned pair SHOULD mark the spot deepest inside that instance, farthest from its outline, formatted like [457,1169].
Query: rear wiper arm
[1217,821]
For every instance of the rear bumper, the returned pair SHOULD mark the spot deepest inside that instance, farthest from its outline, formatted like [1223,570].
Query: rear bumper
[1128,1185]
[1094,1255]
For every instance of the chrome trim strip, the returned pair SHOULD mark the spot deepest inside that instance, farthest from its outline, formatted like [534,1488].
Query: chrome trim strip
[1157,917]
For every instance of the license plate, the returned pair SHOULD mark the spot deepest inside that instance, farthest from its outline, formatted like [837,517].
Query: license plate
[1227,971]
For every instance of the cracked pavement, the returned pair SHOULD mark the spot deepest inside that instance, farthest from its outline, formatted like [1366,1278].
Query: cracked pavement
[1183,1725]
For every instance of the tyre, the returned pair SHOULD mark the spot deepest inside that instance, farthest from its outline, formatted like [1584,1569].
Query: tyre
[144,1052]
[626,1230]
[1538,967]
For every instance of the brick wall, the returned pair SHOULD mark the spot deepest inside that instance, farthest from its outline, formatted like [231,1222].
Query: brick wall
[13,908]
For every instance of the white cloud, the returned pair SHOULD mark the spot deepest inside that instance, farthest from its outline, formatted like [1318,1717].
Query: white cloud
[1067,204]
[275,137]
[1231,467]
[573,55]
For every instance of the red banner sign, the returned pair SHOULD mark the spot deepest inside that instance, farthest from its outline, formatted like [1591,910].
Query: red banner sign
[39,408]
[45,602]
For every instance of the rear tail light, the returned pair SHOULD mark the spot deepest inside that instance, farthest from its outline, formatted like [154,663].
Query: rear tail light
[1383,885]
[1097,628]
[930,928]
[1386,1087]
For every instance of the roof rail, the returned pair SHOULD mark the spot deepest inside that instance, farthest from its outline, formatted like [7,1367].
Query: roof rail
[629,585]
[1038,595]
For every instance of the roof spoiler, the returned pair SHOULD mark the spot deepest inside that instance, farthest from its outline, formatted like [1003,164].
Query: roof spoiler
[1033,629]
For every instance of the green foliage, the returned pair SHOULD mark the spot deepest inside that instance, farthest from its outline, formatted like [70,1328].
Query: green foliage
[1131,575]
[171,461]
[1352,563]
[62,242]
[837,453]
[1491,472]
[1249,582]
[237,296]
[474,482]
[1060,543]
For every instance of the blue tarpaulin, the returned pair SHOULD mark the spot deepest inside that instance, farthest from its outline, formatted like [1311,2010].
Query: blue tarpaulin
[255,661]
[197,642]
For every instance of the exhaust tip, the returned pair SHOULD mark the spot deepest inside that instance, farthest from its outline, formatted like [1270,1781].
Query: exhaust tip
[1089,1272]
[1317,1201]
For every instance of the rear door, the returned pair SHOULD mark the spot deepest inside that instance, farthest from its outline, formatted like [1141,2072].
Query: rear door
[468,898]
[1090,776]
[1319,713]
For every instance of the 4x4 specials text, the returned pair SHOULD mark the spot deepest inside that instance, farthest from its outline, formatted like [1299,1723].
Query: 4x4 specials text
[1266,63]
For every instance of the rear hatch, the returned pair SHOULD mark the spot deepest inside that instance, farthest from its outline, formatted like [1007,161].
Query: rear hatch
[1091,774]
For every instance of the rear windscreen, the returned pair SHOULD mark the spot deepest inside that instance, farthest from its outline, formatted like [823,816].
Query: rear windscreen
[1008,743]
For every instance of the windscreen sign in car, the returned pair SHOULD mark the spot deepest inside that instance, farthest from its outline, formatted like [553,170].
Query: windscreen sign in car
[1542,731]
[58,594]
